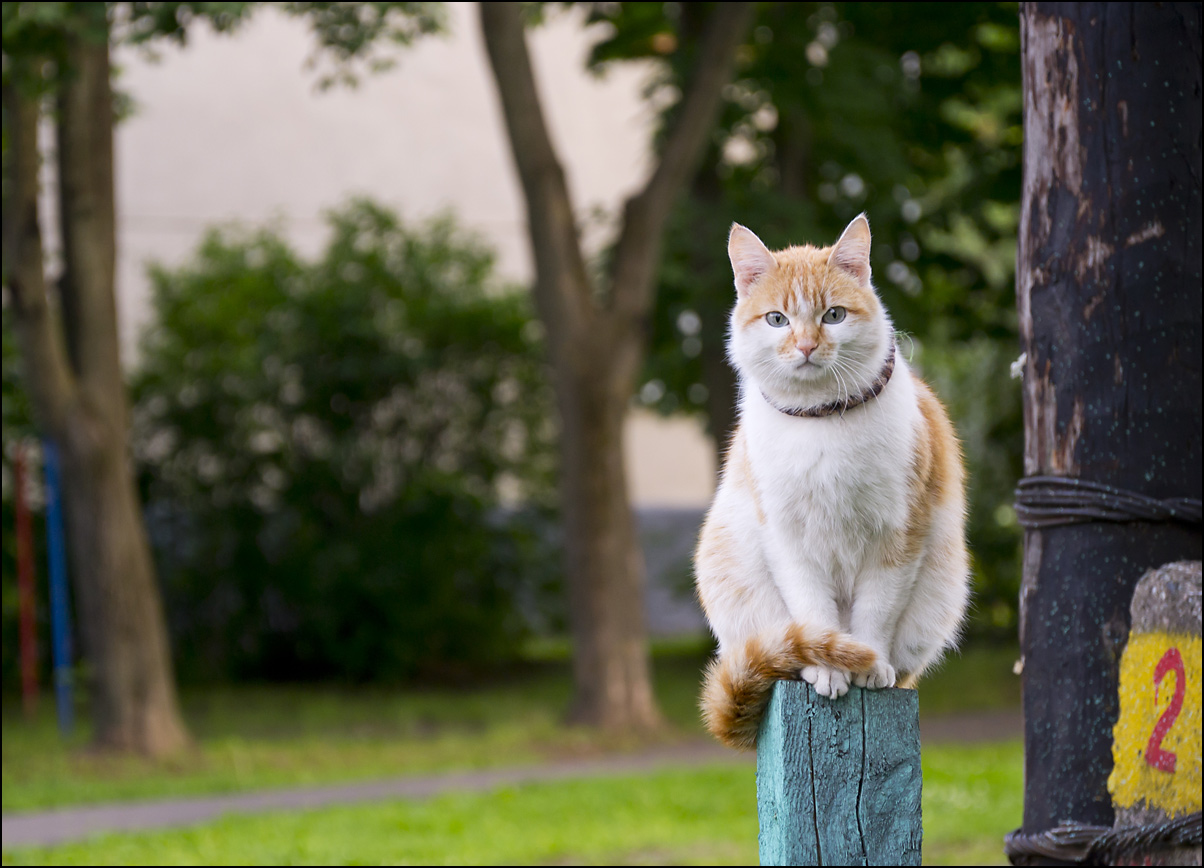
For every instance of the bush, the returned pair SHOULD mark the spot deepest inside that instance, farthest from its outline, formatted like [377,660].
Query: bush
[331,454]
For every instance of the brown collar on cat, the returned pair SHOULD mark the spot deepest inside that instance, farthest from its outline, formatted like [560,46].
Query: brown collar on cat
[848,403]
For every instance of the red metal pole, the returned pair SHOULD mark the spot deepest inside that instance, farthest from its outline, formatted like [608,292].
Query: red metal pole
[25,590]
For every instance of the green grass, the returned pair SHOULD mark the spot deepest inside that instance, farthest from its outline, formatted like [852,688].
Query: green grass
[255,737]
[703,816]
[973,796]
[267,736]
[974,679]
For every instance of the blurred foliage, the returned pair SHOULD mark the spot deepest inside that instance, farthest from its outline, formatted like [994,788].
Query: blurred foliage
[139,23]
[36,34]
[35,37]
[35,41]
[351,33]
[333,454]
[347,35]
[910,112]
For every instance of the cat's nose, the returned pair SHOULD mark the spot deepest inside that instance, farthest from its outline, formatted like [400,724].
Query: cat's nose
[806,347]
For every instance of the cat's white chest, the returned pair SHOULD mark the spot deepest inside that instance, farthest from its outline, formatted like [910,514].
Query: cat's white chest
[834,486]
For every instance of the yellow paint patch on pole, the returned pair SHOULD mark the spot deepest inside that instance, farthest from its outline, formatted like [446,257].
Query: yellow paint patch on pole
[1156,740]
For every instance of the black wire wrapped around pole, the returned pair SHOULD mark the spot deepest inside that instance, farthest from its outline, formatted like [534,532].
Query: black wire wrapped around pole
[1051,501]
[1102,845]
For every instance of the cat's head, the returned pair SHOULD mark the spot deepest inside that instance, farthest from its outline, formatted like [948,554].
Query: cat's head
[808,327]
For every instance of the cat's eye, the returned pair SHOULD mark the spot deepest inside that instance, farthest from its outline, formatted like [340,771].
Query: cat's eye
[834,315]
[776,319]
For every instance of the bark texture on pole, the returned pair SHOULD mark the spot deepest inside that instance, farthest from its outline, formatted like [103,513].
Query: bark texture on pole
[596,337]
[1109,294]
[78,396]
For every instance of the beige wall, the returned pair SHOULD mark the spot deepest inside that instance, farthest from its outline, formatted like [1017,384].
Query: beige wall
[233,129]
[670,462]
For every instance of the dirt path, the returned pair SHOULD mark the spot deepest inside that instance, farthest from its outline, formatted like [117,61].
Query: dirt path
[71,824]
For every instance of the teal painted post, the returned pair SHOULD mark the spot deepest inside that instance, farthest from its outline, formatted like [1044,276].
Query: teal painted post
[838,781]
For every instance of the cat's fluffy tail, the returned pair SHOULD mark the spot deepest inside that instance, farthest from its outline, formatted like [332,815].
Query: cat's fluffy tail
[738,685]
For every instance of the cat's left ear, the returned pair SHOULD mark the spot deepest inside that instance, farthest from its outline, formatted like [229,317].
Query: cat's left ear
[852,252]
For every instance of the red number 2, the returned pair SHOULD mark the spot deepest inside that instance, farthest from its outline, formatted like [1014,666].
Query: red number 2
[1164,760]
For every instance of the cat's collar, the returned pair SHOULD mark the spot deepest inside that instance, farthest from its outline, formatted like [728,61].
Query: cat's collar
[839,407]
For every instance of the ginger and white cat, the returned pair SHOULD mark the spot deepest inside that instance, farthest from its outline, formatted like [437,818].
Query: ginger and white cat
[834,550]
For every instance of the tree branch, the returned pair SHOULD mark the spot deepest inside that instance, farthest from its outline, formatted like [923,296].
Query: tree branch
[51,386]
[644,216]
[562,286]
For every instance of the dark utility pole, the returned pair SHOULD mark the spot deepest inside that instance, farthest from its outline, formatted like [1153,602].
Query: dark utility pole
[1109,293]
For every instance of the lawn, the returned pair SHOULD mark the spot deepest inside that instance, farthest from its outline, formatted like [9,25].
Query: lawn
[705,816]
[255,737]
[272,736]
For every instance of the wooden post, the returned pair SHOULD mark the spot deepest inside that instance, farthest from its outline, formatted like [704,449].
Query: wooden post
[1108,290]
[838,782]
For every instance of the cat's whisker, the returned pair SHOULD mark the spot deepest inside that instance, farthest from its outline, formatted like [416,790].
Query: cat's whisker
[836,369]
[840,365]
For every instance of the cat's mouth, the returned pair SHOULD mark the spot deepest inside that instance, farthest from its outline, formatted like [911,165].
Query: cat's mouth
[809,367]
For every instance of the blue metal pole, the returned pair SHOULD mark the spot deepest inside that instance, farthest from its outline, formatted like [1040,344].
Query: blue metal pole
[60,602]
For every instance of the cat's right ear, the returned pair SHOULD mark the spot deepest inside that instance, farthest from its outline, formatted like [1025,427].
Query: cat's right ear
[751,260]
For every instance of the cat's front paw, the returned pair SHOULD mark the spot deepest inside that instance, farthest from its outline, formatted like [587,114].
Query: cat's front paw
[880,675]
[827,681]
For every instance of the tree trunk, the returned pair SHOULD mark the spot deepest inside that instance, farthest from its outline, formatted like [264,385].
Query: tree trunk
[596,338]
[79,399]
[605,564]
[1109,297]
